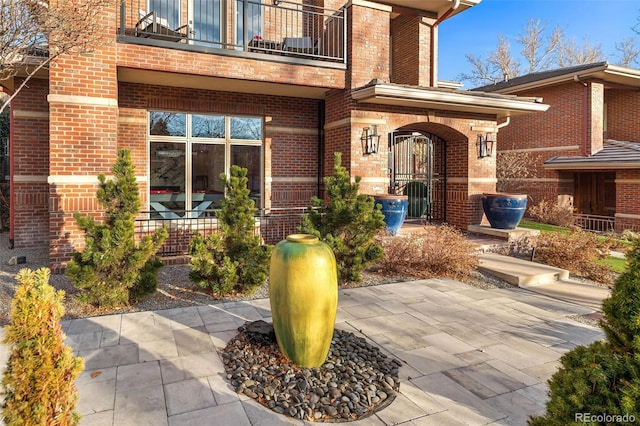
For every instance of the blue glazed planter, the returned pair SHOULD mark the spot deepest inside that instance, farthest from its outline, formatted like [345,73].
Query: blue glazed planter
[504,211]
[394,209]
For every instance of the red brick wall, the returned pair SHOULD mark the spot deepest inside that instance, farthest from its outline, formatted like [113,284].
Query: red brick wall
[291,132]
[368,51]
[83,118]
[627,196]
[91,115]
[30,157]
[237,69]
[574,126]
[467,176]
[622,114]
[410,50]
[560,131]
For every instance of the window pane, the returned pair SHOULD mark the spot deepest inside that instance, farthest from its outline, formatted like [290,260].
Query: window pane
[207,187]
[207,126]
[167,124]
[206,20]
[249,158]
[167,178]
[166,9]
[253,19]
[246,128]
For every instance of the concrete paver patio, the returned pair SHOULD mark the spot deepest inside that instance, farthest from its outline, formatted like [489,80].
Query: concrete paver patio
[470,356]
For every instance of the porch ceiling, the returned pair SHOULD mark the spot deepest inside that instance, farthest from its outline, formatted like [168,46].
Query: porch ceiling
[451,100]
[160,78]
[439,7]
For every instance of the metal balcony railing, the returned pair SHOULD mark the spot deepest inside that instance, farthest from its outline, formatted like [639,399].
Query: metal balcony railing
[291,29]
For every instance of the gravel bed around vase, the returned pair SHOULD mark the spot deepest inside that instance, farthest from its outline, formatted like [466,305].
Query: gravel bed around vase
[356,380]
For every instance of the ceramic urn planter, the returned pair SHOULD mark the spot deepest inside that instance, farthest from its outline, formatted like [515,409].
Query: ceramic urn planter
[303,293]
[504,211]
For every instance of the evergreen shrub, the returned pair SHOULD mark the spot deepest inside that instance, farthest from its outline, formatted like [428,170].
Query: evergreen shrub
[233,259]
[348,222]
[39,381]
[112,264]
[603,379]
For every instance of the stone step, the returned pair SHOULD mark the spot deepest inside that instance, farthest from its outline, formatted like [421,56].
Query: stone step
[519,272]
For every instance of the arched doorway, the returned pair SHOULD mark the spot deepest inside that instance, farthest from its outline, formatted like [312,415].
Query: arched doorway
[418,169]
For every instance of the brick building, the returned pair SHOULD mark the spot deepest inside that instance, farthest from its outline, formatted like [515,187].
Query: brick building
[274,86]
[586,146]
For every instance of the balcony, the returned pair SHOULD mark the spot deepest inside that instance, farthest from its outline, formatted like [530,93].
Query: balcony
[280,30]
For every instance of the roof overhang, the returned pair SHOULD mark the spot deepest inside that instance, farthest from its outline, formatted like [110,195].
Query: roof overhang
[612,74]
[462,101]
[568,164]
[615,154]
[437,7]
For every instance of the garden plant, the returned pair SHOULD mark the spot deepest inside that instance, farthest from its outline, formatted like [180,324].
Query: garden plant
[348,222]
[603,379]
[579,252]
[435,251]
[112,266]
[233,259]
[39,381]
[552,213]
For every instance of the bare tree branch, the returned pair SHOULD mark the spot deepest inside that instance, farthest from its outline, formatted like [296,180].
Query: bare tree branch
[542,49]
[512,170]
[495,67]
[538,48]
[628,52]
[35,32]
[571,54]
[503,60]
[482,71]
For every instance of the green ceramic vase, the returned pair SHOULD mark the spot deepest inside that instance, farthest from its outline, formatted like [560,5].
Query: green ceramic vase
[303,292]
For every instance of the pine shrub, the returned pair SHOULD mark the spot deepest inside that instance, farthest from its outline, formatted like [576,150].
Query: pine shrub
[234,259]
[112,265]
[603,379]
[348,222]
[436,251]
[39,381]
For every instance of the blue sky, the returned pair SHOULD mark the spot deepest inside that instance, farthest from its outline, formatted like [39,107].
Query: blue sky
[475,31]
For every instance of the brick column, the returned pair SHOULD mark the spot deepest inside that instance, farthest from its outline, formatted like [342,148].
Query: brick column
[83,113]
[369,43]
[30,161]
[596,117]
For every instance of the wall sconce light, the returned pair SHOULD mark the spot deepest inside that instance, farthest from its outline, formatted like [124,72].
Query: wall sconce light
[370,140]
[485,145]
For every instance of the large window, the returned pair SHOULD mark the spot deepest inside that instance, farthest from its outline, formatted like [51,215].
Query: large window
[187,154]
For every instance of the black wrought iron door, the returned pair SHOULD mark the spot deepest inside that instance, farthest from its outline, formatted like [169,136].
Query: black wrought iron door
[417,167]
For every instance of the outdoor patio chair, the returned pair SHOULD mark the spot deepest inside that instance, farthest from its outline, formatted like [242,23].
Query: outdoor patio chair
[150,25]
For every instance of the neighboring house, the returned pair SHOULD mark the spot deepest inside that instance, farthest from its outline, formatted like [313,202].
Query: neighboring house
[586,146]
[275,86]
